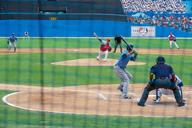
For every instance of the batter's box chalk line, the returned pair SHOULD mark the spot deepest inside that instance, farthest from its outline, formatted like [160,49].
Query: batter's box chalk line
[102,96]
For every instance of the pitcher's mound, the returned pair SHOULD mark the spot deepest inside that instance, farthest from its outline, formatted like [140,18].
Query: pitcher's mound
[92,62]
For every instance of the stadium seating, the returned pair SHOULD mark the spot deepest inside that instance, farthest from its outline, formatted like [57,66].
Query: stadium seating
[153,5]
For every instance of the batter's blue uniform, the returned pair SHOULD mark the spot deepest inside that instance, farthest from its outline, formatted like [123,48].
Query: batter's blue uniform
[120,69]
[12,42]
[164,78]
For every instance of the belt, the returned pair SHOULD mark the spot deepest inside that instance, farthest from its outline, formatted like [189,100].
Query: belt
[162,78]
[116,65]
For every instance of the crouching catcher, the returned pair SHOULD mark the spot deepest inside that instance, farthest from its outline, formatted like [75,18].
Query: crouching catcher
[161,91]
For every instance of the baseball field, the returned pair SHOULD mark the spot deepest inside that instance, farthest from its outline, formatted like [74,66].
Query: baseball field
[57,82]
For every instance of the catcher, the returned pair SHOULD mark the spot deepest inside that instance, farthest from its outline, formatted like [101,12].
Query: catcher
[105,48]
[159,92]
[161,76]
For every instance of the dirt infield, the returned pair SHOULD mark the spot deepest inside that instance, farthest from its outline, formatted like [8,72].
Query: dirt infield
[96,50]
[92,62]
[95,100]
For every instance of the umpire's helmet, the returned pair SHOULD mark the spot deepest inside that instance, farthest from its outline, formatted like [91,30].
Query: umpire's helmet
[130,47]
[160,60]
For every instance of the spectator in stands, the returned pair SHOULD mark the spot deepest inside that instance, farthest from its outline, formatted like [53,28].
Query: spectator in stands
[150,5]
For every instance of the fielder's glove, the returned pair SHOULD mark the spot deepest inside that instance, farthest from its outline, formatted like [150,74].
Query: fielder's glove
[109,49]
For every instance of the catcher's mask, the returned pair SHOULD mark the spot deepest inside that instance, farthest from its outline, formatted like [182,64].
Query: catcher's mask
[160,60]
[130,47]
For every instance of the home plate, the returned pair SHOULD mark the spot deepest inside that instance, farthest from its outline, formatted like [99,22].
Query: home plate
[101,96]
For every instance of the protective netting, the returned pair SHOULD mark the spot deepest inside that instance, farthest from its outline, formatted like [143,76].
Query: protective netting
[90,64]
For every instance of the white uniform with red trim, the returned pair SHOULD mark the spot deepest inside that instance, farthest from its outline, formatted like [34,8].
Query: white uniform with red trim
[172,40]
[105,45]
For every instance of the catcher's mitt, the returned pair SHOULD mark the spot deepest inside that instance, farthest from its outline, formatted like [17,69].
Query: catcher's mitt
[109,49]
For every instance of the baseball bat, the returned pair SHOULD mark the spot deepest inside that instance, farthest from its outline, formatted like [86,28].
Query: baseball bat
[125,41]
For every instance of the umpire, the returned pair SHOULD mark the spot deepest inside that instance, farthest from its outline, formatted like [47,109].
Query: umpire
[164,77]
[118,39]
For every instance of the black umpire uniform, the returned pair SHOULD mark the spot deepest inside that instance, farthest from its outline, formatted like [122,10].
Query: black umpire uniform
[118,39]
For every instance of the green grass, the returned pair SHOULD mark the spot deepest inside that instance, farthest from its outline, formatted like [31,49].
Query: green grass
[35,69]
[31,69]
[91,43]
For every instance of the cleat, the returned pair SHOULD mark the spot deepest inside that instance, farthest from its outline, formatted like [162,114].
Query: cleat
[181,104]
[125,97]
[98,59]
[139,104]
[157,101]
[120,88]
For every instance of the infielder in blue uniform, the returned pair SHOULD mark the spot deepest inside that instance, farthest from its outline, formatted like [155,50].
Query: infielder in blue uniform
[161,76]
[120,69]
[12,42]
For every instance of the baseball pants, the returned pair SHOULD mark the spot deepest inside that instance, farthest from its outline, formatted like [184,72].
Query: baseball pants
[125,77]
[173,42]
[12,45]
[101,54]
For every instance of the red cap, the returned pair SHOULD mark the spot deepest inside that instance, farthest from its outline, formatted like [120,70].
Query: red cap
[108,40]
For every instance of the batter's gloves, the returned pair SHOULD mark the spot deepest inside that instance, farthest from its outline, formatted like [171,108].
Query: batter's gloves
[130,47]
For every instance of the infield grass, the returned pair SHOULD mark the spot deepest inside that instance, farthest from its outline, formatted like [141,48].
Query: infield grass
[28,69]
[91,43]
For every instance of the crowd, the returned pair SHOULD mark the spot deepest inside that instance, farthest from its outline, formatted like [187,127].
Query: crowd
[159,8]
[180,22]
[153,5]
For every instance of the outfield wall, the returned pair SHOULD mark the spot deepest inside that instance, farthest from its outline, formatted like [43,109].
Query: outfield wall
[77,28]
